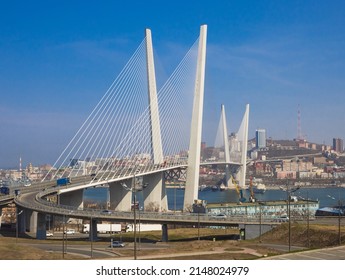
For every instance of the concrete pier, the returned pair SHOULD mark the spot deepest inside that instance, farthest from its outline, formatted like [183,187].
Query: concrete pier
[120,197]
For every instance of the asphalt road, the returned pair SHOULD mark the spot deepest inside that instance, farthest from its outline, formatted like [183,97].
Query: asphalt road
[99,251]
[83,251]
[334,253]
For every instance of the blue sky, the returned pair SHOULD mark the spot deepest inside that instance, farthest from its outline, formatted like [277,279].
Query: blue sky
[58,58]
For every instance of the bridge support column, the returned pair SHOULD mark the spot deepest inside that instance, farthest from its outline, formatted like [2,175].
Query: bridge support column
[41,227]
[155,198]
[30,221]
[21,220]
[93,230]
[165,233]
[74,198]
[120,198]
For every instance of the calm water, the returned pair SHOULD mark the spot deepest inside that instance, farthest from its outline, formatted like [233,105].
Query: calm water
[176,196]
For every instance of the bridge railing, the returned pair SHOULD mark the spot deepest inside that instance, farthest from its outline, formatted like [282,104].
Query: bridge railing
[43,205]
[158,216]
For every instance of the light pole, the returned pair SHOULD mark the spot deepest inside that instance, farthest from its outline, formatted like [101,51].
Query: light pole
[133,189]
[63,236]
[135,222]
[260,219]
[175,198]
[339,217]
[198,207]
[199,225]
[91,237]
[289,191]
[139,227]
[308,217]
[17,215]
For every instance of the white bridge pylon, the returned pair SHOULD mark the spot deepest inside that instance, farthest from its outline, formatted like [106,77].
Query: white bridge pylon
[243,133]
[226,147]
[130,134]
[154,193]
[192,183]
[235,148]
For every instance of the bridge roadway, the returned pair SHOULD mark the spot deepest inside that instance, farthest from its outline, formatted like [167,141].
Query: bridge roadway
[34,198]
[86,181]
[35,201]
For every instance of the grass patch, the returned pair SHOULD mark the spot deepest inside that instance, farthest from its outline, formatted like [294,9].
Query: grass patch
[320,236]
[10,250]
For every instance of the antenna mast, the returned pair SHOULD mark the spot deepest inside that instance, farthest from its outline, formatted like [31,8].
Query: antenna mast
[299,129]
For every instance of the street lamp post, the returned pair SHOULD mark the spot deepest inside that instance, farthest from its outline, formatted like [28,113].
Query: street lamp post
[63,236]
[135,223]
[198,224]
[139,227]
[91,237]
[175,199]
[289,191]
[260,220]
[289,215]
[134,195]
[308,217]
[339,217]
[17,215]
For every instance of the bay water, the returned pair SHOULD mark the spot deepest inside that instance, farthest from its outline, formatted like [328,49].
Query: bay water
[327,196]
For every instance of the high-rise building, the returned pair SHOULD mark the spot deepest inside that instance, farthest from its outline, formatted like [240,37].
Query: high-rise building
[338,145]
[260,138]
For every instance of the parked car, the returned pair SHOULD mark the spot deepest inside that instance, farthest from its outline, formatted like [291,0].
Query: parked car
[117,244]
[49,234]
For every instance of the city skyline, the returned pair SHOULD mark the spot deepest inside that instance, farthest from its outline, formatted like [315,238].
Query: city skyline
[274,56]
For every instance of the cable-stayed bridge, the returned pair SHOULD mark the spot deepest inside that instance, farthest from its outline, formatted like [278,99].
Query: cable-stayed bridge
[137,131]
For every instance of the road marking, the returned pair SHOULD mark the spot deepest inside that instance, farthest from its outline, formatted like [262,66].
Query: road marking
[328,254]
[282,258]
[308,256]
